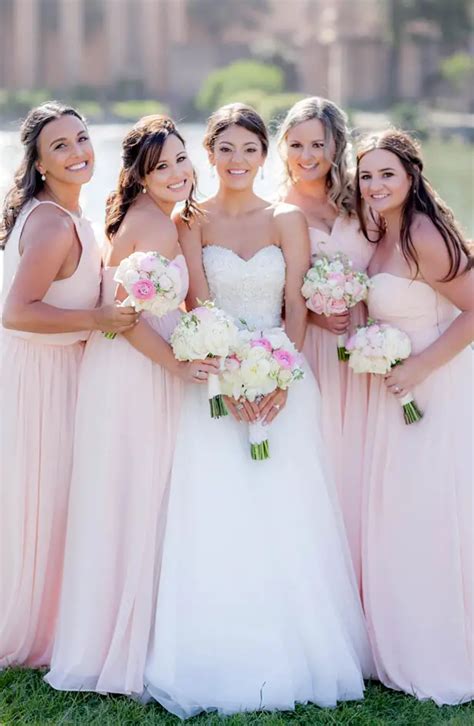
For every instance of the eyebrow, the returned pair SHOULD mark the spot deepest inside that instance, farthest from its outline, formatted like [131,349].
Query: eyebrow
[387,168]
[247,143]
[63,138]
[165,161]
[320,141]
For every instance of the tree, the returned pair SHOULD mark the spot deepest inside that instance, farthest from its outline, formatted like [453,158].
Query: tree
[221,86]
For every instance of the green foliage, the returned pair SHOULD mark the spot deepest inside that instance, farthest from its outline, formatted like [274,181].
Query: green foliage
[18,103]
[133,110]
[275,107]
[243,75]
[458,69]
[409,117]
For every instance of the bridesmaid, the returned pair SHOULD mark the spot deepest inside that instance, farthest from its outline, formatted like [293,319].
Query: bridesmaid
[313,143]
[50,289]
[418,526]
[128,405]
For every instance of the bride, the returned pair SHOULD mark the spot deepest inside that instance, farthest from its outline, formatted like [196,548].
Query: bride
[258,605]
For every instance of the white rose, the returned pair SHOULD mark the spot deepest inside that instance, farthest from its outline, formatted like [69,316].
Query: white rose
[129,277]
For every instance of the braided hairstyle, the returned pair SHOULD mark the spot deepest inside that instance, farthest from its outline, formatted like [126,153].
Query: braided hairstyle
[421,198]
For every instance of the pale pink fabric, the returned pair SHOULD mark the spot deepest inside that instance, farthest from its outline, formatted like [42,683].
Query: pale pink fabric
[418,511]
[343,395]
[38,387]
[126,423]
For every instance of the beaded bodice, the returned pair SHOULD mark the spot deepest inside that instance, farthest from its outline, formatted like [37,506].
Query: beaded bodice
[249,290]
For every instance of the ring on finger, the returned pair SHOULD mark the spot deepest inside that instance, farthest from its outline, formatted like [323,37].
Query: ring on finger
[397,389]
[277,406]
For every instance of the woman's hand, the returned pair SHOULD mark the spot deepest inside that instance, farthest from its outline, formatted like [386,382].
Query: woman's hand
[242,410]
[337,324]
[198,371]
[271,405]
[405,376]
[114,318]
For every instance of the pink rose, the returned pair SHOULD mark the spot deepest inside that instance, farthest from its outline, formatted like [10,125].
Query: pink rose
[337,277]
[143,290]
[316,303]
[261,343]
[336,307]
[285,358]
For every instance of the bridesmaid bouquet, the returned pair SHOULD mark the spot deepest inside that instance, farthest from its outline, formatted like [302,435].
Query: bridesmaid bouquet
[153,283]
[261,362]
[206,332]
[376,348]
[331,287]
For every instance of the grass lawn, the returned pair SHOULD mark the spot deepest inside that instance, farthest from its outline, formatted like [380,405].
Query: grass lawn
[25,700]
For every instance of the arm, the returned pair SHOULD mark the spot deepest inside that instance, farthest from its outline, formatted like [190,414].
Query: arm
[47,239]
[295,245]
[434,264]
[190,239]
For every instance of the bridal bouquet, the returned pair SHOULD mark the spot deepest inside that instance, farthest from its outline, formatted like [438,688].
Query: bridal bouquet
[262,361]
[331,287]
[206,332]
[153,283]
[376,348]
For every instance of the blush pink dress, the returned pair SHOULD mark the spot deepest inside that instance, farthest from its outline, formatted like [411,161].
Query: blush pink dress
[126,422]
[418,510]
[38,388]
[344,395]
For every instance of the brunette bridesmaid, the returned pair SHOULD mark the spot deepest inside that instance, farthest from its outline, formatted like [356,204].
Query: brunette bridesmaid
[50,290]
[418,508]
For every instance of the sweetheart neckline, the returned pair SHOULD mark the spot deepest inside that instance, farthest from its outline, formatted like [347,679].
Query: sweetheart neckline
[399,277]
[236,254]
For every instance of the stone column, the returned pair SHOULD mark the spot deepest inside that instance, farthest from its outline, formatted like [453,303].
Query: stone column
[71,28]
[154,34]
[25,43]
[116,38]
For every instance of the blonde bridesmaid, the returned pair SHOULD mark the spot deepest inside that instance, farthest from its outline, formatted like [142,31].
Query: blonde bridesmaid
[128,406]
[418,509]
[313,143]
[50,289]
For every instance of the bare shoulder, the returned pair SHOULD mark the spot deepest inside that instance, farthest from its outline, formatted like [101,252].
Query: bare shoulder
[430,247]
[288,218]
[48,225]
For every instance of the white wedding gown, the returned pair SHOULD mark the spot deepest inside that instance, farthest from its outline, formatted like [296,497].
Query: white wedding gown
[257,606]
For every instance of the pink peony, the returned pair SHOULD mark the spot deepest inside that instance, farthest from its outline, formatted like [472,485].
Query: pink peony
[143,290]
[286,359]
[261,343]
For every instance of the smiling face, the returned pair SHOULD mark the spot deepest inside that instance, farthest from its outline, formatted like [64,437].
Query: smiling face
[65,152]
[171,180]
[383,180]
[237,155]
[308,154]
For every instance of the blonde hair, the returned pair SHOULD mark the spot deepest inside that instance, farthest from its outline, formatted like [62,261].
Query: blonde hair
[339,179]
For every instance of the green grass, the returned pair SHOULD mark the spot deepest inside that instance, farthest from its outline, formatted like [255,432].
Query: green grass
[25,700]
[449,165]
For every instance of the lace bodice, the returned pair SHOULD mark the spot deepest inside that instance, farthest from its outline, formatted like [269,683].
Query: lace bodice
[250,290]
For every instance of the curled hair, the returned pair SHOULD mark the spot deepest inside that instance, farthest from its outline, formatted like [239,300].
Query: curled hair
[27,181]
[421,199]
[141,151]
[334,120]
[235,114]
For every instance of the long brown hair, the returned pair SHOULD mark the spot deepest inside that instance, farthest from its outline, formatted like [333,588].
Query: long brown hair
[334,120]
[421,198]
[235,114]
[27,181]
[141,151]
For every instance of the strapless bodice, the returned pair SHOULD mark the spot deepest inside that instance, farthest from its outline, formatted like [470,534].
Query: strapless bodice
[411,305]
[249,290]
[344,237]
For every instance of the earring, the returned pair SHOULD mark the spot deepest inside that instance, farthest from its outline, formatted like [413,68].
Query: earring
[144,190]
[212,171]
[262,175]
[43,177]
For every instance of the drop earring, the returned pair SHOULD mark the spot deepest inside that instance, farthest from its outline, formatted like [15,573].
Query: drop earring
[43,177]
[144,190]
